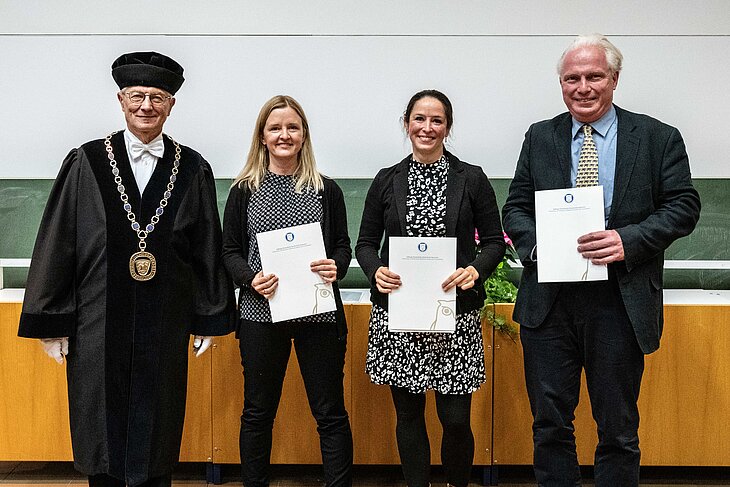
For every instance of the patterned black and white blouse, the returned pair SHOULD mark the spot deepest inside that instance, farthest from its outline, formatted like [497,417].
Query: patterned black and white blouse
[273,206]
[449,363]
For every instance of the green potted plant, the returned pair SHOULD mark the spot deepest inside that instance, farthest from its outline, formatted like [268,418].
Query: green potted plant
[499,289]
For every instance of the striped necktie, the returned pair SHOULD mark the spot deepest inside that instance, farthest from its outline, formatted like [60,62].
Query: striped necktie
[587,160]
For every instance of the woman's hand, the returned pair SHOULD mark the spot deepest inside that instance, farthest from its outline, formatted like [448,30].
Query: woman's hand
[464,278]
[265,285]
[386,280]
[326,268]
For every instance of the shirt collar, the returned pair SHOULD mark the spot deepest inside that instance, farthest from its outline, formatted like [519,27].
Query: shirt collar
[600,126]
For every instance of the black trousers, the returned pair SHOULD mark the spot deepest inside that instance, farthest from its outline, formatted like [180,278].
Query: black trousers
[457,444]
[265,350]
[588,328]
[104,480]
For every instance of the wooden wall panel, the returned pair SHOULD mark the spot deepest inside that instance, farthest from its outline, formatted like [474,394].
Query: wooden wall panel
[685,394]
[34,397]
[372,415]
[227,388]
[684,401]
[197,439]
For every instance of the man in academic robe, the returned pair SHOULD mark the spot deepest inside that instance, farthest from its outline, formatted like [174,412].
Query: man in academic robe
[126,266]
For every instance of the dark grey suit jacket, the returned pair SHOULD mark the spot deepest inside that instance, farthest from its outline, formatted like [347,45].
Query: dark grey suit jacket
[654,203]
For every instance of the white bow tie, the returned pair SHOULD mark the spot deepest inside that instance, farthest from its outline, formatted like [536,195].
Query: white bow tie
[156,148]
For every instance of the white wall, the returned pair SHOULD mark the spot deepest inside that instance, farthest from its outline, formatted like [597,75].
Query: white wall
[366,17]
[353,66]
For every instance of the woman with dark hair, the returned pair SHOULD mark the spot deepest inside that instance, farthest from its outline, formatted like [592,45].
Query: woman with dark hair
[280,187]
[431,193]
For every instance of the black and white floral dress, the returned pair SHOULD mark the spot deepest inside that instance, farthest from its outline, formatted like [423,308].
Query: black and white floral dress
[449,363]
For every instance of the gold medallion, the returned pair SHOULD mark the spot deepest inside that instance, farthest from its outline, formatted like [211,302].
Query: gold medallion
[142,266]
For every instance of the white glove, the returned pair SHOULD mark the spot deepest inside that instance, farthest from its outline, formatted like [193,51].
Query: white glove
[201,344]
[56,348]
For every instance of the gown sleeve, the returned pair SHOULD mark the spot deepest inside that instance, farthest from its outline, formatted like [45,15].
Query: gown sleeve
[214,302]
[49,305]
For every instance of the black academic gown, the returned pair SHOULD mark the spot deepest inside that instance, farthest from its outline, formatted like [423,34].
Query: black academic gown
[128,345]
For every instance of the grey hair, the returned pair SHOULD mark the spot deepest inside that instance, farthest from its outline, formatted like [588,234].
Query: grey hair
[614,58]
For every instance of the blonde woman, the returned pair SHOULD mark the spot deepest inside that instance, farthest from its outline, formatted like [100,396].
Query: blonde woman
[280,187]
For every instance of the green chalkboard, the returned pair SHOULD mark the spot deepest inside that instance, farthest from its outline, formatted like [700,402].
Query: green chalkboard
[22,202]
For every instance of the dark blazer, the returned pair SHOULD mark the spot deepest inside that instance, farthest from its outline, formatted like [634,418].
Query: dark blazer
[654,203]
[334,233]
[470,204]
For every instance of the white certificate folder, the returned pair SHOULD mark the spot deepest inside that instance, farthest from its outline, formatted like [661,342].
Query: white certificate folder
[419,304]
[561,216]
[287,254]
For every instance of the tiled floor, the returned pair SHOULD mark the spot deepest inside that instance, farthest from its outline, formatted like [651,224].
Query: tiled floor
[40,474]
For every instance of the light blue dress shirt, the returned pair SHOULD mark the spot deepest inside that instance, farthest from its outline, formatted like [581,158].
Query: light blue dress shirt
[604,135]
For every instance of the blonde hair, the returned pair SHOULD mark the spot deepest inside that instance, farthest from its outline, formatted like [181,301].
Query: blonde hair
[253,172]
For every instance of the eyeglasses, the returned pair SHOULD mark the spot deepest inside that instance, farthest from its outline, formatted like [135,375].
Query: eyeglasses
[137,98]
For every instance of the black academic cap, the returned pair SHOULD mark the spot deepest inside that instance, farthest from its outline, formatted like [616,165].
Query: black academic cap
[148,69]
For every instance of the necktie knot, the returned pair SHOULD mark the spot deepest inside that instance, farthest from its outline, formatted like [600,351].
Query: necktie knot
[155,148]
[587,160]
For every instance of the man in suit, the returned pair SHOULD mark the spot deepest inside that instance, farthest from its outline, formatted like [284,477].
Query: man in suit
[604,327]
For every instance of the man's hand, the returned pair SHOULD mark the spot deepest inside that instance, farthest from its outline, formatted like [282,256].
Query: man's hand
[201,344]
[602,247]
[56,348]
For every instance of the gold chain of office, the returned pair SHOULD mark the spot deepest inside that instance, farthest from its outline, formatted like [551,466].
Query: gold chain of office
[142,264]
